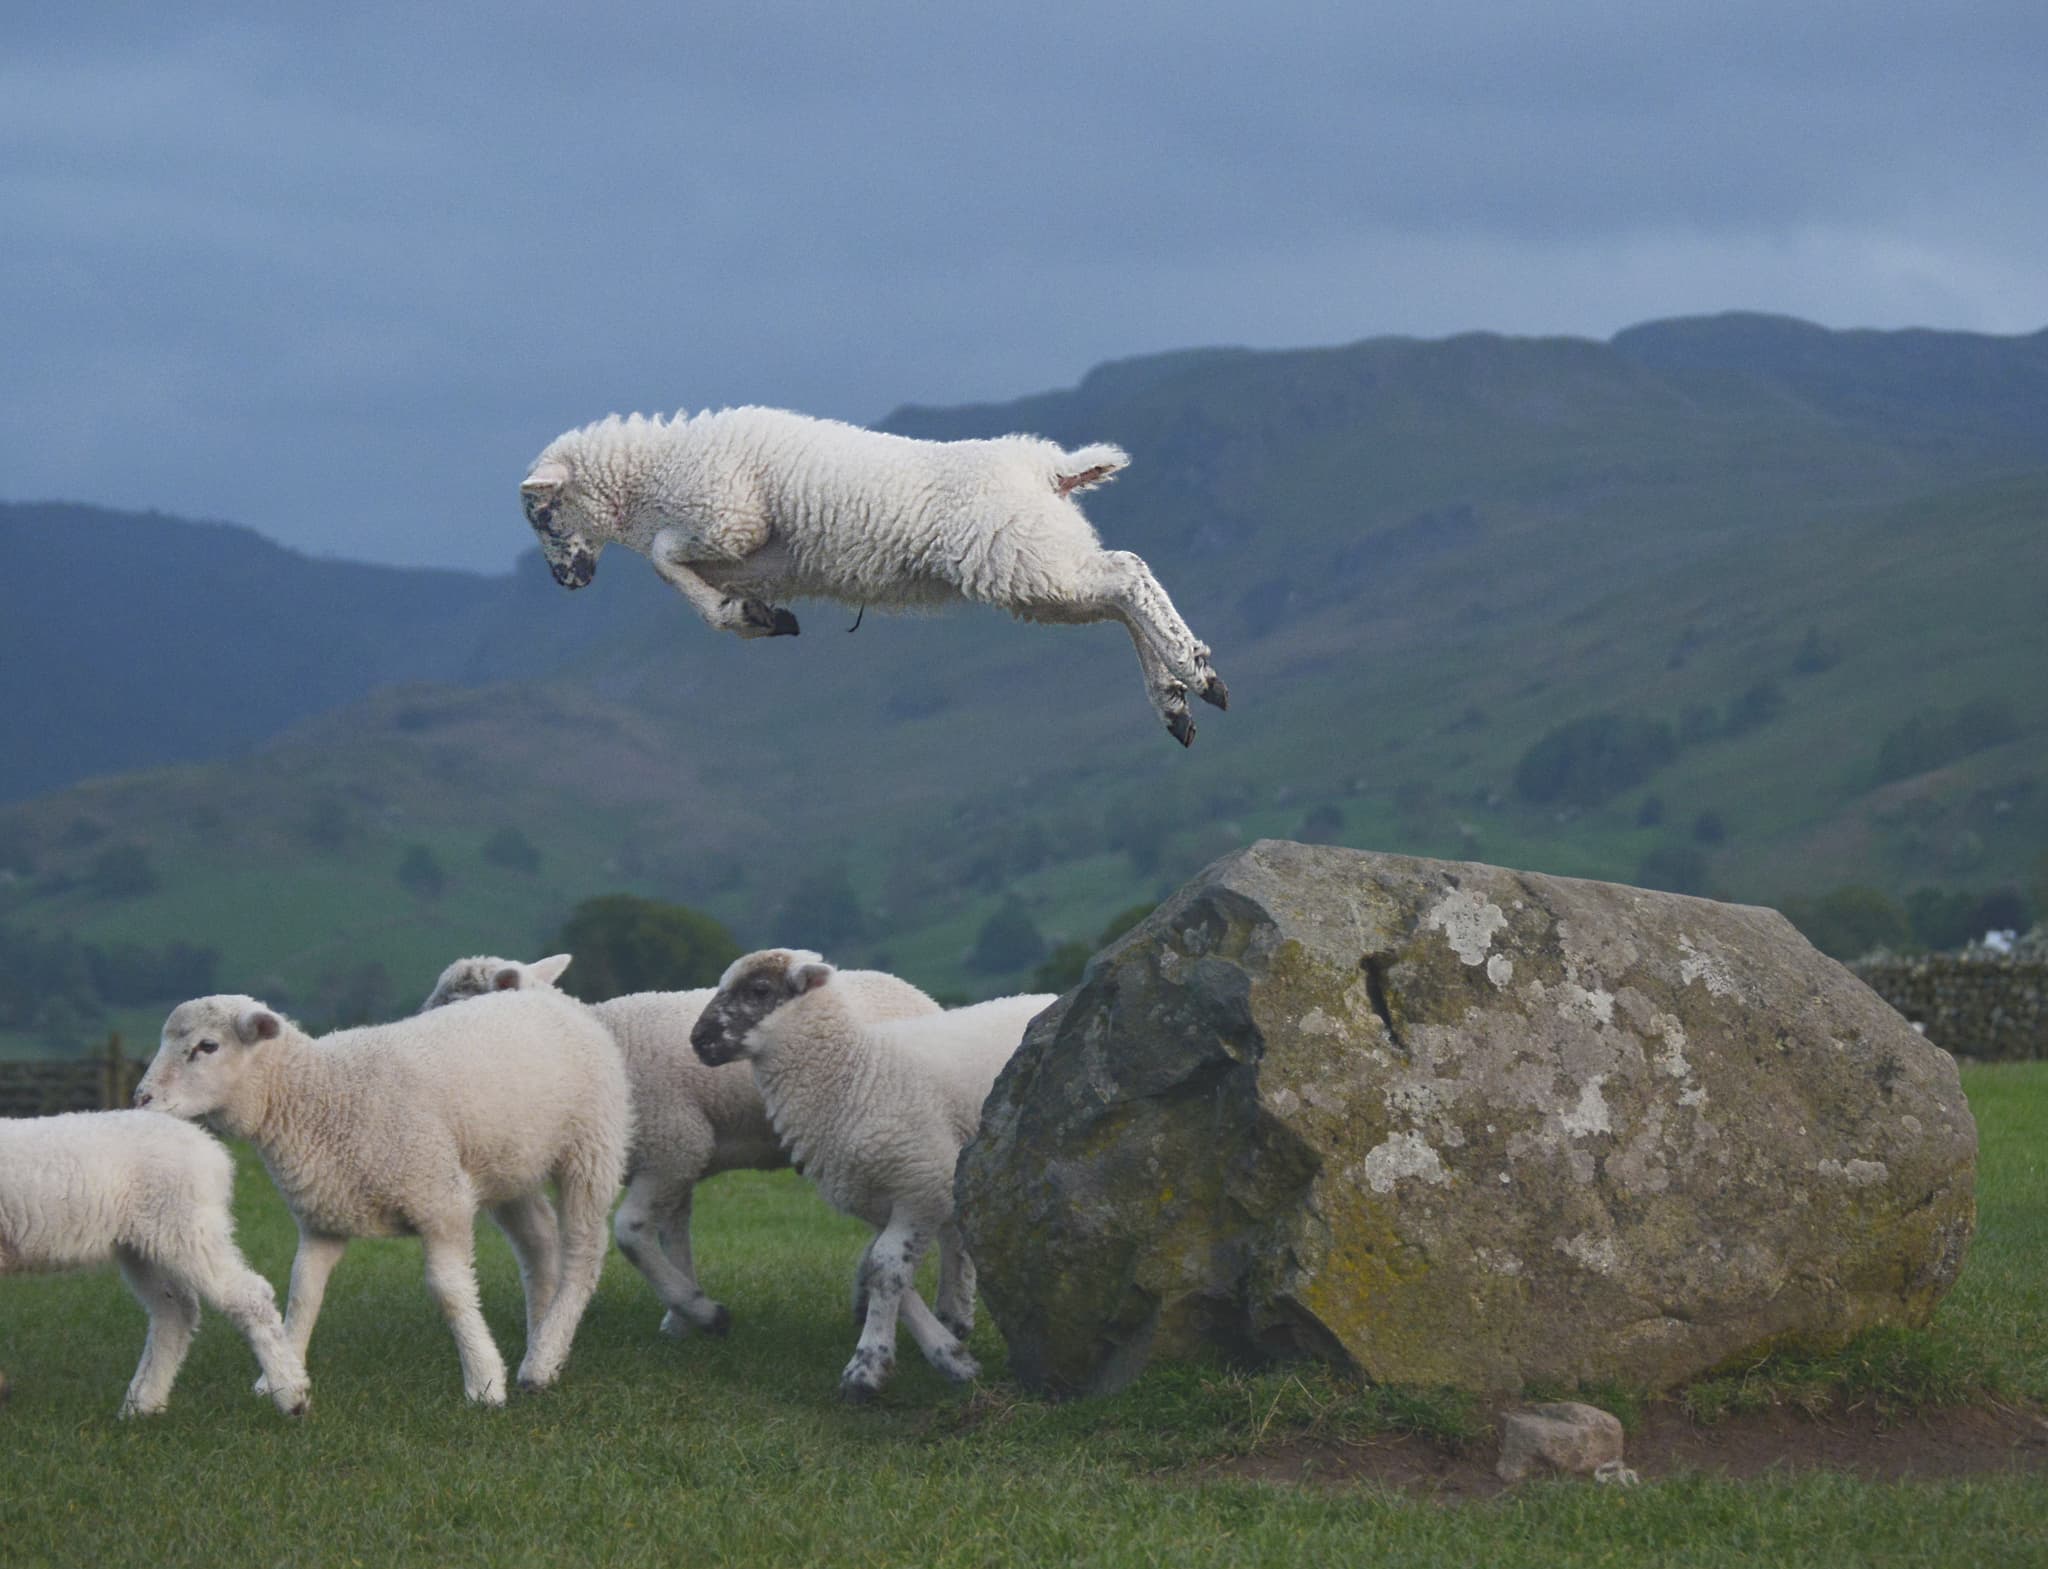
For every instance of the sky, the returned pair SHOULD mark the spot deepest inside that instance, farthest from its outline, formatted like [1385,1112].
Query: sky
[339,276]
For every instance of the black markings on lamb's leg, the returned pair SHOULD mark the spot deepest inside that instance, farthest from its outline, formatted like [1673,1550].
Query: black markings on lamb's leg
[865,1374]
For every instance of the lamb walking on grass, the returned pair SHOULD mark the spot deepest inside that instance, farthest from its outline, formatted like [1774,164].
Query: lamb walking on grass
[690,1121]
[151,1194]
[875,1114]
[742,507]
[414,1126]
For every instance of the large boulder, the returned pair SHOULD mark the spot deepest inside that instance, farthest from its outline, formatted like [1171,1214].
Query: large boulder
[1449,1124]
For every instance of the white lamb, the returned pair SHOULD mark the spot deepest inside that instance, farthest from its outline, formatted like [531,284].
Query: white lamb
[876,1114]
[744,506]
[690,1121]
[152,1194]
[411,1127]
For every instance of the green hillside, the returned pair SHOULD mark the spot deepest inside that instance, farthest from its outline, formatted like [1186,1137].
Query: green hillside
[1806,571]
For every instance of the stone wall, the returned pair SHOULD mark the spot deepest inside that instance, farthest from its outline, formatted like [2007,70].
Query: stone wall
[1974,1005]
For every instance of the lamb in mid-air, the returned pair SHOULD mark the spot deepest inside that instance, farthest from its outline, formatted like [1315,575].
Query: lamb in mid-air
[739,508]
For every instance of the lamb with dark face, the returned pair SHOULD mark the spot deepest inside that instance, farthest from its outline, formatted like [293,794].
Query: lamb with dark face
[875,1113]
[748,992]
[566,550]
[690,1122]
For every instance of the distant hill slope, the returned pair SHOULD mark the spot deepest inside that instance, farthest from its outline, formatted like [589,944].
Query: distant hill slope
[1413,560]
[132,638]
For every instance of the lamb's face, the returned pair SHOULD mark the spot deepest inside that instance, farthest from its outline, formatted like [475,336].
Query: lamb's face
[467,978]
[203,1050]
[568,540]
[749,991]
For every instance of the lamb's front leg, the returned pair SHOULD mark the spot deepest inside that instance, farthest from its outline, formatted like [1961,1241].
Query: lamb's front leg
[890,1271]
[673,551]
[311,1266]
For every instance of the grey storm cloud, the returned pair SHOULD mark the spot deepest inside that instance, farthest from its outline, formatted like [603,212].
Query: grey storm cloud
[340,276]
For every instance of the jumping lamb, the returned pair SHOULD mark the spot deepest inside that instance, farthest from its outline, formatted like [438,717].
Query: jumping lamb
[690,1121]
[876,1114]
[151,1194]
[740,507]
[414,1126]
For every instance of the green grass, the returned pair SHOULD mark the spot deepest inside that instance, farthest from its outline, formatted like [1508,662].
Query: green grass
[654,1451]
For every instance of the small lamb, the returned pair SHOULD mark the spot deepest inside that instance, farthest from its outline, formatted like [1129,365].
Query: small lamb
[152,1194]
[742,506]
[690,1122]
[876,1114]
[414,1126]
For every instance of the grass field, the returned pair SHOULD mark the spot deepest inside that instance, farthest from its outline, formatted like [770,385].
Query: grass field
[738,1450]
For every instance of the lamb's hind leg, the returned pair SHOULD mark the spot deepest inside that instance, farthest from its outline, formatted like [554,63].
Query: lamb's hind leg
[215,1268]
[1130,585]
[529,1225]
[956,1281]
[1116,583]
[652,1228]
[173,1309]
[451,1279]
[584,1198]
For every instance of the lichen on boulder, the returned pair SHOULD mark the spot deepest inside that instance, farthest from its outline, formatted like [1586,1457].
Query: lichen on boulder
[1448,1124]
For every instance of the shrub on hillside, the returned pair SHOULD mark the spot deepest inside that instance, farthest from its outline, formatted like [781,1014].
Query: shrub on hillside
[1700,722]
[1759,704]
[327,826]
[1590,760]
[1815,654]
[1709,828]
[511,849]
[122,871]
[1009,940]
[624,943]
[1321,824]
[420,873]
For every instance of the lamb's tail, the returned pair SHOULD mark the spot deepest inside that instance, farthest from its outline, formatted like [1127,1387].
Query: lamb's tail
[1090,465]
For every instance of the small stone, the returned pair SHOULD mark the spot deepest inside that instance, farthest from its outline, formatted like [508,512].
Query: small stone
[1564,1436]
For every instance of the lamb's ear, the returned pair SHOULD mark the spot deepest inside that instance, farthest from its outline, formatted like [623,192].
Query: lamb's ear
[545,479]
[507,978]
[545,972]
[809,977]
[258,1024]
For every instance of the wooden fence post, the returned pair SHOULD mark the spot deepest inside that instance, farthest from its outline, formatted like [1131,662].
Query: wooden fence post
[113,1075]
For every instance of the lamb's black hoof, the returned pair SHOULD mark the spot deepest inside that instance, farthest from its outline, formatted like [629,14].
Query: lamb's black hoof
[1181,728]
[958,1330]
[761,620]
[721,1322]
[1214,691]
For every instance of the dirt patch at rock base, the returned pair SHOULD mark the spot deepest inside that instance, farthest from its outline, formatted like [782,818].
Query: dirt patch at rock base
[1932,1446]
